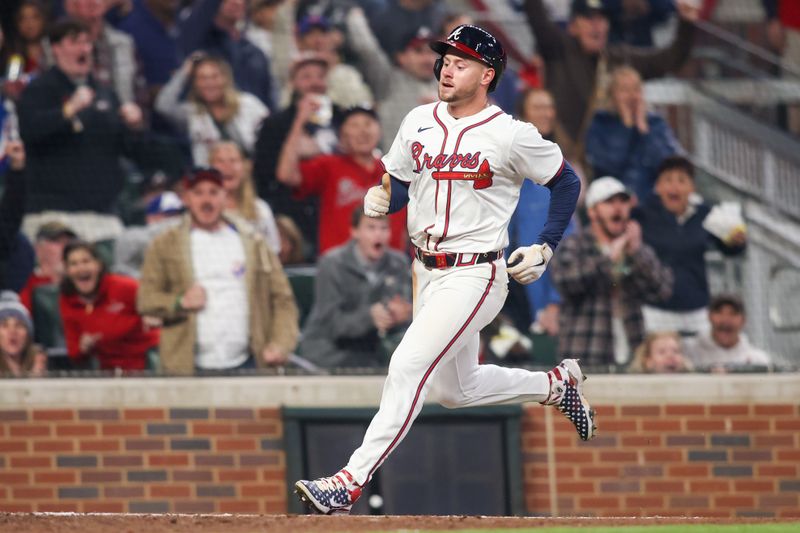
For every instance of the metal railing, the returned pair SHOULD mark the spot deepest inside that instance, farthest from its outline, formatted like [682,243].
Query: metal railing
[747,155]
[742,48]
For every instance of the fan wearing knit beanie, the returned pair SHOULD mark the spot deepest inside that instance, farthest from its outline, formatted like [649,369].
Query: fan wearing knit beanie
[18,355]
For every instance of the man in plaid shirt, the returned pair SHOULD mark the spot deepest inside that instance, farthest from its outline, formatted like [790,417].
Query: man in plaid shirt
[604,274]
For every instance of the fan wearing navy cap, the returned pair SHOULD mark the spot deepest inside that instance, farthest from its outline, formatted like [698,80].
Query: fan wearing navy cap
[341,179]
[220,291]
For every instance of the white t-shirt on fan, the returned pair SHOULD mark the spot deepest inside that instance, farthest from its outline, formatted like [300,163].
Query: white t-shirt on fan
[218,262]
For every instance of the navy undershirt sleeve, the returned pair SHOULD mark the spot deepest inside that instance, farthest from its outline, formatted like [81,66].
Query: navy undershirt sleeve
[399,197]
[564,190]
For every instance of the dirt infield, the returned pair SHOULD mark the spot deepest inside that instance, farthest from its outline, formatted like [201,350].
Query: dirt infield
[174,523]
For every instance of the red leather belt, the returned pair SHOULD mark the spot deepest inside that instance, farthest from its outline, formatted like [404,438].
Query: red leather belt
[450,259]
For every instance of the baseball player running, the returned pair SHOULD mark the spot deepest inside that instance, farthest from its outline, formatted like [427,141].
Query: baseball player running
[459,164]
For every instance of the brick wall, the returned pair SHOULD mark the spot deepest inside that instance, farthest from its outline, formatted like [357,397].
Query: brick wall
[671,460]
[701,448]
[142,460]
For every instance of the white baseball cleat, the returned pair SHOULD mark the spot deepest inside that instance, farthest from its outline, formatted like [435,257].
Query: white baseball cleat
[566,381]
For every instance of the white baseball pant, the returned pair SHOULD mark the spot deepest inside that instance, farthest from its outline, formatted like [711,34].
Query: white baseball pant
[440,350]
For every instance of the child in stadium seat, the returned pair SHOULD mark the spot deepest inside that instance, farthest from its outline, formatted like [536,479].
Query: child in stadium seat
[660,353]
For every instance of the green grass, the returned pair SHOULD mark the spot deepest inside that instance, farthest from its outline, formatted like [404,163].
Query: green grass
[673,528]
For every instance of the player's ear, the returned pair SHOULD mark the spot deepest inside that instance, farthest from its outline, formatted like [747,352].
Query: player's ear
[488,75]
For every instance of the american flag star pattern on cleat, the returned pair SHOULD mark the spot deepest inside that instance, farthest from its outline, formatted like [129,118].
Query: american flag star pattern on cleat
[329,495]
[575,408]
[565,394]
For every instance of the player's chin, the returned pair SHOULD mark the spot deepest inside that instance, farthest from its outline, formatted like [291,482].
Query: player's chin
[446,94]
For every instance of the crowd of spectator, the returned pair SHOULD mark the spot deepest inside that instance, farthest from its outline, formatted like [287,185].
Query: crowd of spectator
[164,161]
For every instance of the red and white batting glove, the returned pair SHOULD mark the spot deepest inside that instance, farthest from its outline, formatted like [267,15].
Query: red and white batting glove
[376,201]
[529,262]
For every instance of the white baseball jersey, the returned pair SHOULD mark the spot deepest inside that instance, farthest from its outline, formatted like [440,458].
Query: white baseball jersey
[465,175]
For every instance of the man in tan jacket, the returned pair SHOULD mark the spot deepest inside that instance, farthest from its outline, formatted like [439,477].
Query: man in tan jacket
[221,293]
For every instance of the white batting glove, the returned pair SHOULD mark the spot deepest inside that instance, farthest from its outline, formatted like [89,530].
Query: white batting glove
[532,262]
[376,201]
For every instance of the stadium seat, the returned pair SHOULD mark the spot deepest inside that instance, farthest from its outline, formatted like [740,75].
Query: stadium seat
[47,326]
[106,250]
[153,360]
[302,281]
[545,350]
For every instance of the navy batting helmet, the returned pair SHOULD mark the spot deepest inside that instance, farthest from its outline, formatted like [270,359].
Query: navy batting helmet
[475,42]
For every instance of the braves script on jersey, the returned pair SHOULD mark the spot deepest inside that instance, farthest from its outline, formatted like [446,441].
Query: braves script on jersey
[466,174]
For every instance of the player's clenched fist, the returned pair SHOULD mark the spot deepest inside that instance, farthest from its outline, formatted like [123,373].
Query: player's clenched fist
[376,201]
[529,262]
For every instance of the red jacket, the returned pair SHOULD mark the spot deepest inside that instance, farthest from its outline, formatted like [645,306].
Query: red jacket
[123,342]
[341,184]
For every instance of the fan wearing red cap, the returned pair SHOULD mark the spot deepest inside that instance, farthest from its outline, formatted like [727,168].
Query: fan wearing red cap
[221,292]
[204,197]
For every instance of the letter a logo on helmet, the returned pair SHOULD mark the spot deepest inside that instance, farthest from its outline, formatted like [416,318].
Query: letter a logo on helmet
[474,42]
